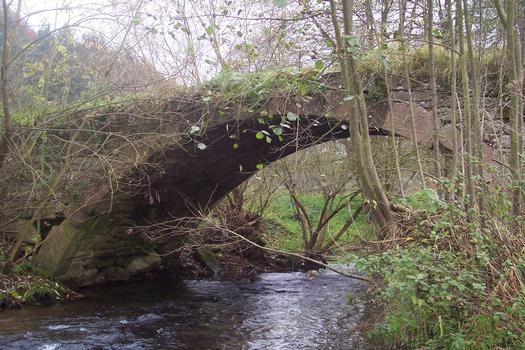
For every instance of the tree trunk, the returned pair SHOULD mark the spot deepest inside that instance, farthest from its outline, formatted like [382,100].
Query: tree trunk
[436,122]
[365,167]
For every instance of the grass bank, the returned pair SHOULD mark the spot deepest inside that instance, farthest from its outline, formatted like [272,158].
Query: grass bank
[283,231]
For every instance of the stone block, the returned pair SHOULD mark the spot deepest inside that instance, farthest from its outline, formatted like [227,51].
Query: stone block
[143,264]
[115,273]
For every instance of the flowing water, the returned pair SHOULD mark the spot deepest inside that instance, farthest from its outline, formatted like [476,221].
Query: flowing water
[279,311]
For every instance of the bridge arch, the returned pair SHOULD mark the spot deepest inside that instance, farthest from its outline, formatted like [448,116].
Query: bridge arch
[194,172]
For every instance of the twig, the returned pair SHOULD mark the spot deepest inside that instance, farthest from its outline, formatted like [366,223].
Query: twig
[326,266]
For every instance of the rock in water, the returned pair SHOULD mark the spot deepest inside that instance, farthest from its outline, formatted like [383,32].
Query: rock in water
[312,273]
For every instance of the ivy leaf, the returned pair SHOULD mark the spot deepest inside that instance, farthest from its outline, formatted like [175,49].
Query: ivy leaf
[135,21]
[210,29]
[437,33]
[280,3]
[259,135]
[291,116]
[194,129]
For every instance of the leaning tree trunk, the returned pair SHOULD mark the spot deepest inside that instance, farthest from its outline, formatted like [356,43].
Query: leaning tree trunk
[364,163]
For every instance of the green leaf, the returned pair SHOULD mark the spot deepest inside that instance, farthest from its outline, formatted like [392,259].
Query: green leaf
[303,88]
[135,21]
[259,135]
[260,120]
[278,131]
[194,129]
[319,65]
[291,116]
[259,166]
[280,3]
[268,139]
[211,29]
[235,146]
[437,33]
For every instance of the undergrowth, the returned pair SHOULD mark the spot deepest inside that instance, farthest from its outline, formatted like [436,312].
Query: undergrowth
[27,284]
[449,284]
[283,230]
[256,88]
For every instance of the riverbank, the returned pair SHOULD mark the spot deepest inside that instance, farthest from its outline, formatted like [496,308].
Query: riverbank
[449,284]
[26,285]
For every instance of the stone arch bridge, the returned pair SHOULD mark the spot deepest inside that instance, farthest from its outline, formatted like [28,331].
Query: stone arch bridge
[192,149]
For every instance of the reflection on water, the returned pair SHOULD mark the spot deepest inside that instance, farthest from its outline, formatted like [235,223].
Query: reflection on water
[280,311]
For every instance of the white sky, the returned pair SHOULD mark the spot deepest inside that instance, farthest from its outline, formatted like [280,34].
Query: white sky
[58,13]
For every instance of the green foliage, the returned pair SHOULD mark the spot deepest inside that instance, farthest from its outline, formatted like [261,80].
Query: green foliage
[284,231]
[441,291]
[23,267]
[256,88]
[26,284]
[426,199]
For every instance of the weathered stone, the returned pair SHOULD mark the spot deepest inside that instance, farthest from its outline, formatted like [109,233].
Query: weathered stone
[143,264]
[104,262]
[115,273]
[89,253]
[78,265]
[208,258]
[62,243]
[84,278]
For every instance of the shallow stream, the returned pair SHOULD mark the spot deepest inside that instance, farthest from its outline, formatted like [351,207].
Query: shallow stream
[279,311]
